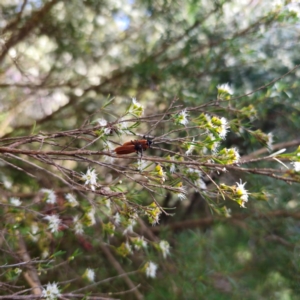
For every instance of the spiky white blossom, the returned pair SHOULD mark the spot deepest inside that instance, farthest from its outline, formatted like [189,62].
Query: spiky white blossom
[117,219]
[182,194]
[225,88]
[142,164]
[102,122]
[90,274]
[199,183]
[18,271]
[45,253]
[51,197]
[223,129]
[181,118]
[296,166]
[165,248]
[140,243]
[172,168]
[214,144]
[71,199]
[6,182]
[15,201]
[78,226]
[128,247]
[33,232]
[91,217]
[54,222]
[123,127]
[130,225]
[107,203]
[190,149]
[155,219]
[150,270]
[51,292]
[270,141]
[241,193]
[90,178]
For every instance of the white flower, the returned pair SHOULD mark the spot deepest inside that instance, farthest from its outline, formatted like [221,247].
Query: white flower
[242,193]
[51,292]
[107,203]
[78,227]
[296,166]
[101,122]
[51,197]
[142,164]
[34,228]
[129,228]
[15,201]
[90,178]
[151,269]
[91,217]
[45,253]
[18,271]
[182,194]
[33,234]
[200,184]
[223,129]
[90,274]
[140,242]
[7,184]
[71,199]
[165,248]
[172,168]
[235,153]
[128,247]
[123,127]
[214,144]
[54,222]
[207,119]
[225,88]
[107,131]
[219,126]
[270,141]
[190,149]
[182,118]
[117,219]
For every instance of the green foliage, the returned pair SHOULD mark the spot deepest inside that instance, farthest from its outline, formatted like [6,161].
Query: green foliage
[216,87]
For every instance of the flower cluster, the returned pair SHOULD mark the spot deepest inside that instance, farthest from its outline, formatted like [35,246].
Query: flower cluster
[153,213]
[228,156]
[136,109]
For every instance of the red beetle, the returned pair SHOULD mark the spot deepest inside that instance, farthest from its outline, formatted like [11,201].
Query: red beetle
[137,146]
